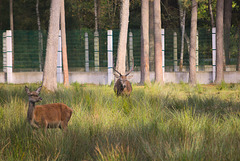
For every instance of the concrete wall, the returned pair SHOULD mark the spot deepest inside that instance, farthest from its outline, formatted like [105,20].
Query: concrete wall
[101,77]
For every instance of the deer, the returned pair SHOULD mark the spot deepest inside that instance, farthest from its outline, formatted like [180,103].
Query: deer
[55,115]
[123,87]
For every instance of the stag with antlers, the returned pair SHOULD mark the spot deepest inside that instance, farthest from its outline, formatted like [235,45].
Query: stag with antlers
[122,86]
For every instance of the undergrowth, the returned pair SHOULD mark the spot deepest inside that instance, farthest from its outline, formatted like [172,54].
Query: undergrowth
[170,122]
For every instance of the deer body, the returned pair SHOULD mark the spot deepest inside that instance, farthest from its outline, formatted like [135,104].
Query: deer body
[123,87]
[54,115]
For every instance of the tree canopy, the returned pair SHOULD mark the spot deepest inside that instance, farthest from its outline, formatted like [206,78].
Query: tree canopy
[80,14]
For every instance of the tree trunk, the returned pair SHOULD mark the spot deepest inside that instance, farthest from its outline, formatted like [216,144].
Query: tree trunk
[187,41]
[99,13]
[96,15]
[219,34]
[182,24]
[64,46]
[211,13]
[192,54]
[158,42]
[238,58]
[50,68]
[122,43]
[151,35]
[40,39]
[12,30]
[145,75]
[227,28]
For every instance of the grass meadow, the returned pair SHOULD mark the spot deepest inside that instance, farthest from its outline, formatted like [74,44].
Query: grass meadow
[170,122]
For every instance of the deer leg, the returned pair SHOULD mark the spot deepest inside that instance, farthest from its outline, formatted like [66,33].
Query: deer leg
[32,123]
[64,124]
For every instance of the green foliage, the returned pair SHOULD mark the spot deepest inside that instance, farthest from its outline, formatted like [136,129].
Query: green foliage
[169,122]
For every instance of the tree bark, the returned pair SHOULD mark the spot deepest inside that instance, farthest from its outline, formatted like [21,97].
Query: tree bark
[182,24]
[158,42]
[96,15]
[145,75]
[151,35]
[40,39]
[238,57]
[227,28]
[192,55]
[122,43]
[12,29]
[50,68]
[99,13]
[64,46]
[219,34]
[211,13]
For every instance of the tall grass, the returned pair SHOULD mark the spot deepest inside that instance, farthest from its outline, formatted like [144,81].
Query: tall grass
[170,122]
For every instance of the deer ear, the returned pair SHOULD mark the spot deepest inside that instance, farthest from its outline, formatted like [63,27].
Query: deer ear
[116,75]
[39,89]
[27,89]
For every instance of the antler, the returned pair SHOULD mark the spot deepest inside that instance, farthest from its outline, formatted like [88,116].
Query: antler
[117,71]
[130,69]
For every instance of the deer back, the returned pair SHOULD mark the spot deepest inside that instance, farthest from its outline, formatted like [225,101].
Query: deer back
[52,114]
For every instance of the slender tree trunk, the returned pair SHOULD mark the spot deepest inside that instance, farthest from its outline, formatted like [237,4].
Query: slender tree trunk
[219,28]
[99,13]
[40,40]
[151,35]
[158,42]
[50,68]
[238,58]
[64,46]
[122,43]
[227,28]
[211,13]
[96,15]
[187,41]
[12,29]
[182,24]
[145,75]
[192,55]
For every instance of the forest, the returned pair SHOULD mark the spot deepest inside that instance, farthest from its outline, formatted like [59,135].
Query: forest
[80,14]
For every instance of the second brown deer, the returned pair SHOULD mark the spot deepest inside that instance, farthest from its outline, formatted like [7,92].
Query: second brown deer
[55,115]
[122,86]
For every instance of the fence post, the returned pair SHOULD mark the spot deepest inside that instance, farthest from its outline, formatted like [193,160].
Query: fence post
[130,49]
[197,53]
[4,50]
[163,52]
[59,59]
[214,52]
[110,55]
[9,55]
[175,51]
[96,51]
[86,53]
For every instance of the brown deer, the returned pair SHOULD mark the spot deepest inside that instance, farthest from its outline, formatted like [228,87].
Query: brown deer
[122,86]
[54,115]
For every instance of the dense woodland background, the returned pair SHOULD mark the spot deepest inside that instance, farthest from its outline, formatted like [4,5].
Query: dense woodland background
[80,14]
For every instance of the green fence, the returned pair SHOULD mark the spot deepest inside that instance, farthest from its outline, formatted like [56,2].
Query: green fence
[28,55]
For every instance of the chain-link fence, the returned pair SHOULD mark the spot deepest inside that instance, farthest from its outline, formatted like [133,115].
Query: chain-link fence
[30,49]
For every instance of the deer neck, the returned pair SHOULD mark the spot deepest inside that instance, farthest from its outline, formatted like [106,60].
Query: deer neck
[30,110]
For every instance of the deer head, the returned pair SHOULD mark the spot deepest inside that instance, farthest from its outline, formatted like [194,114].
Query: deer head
[122,85]
[33,96]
